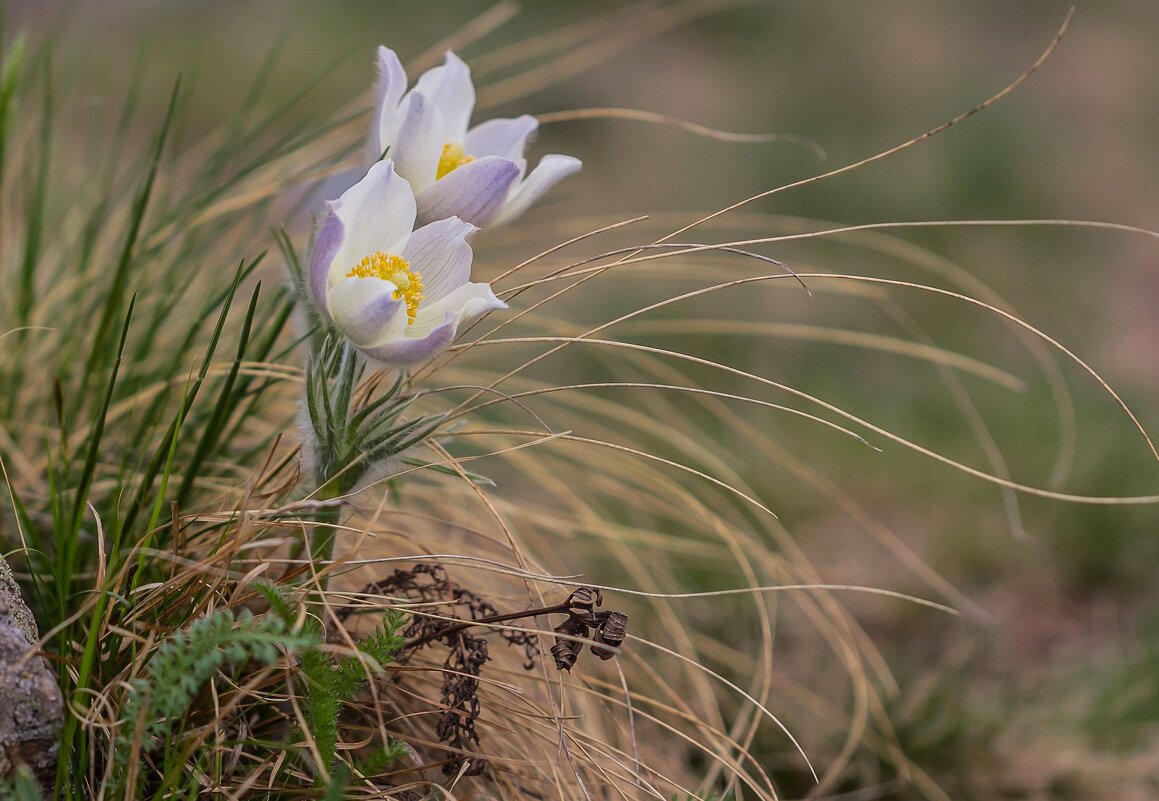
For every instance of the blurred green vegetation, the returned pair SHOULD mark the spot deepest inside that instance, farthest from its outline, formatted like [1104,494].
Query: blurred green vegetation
[1073,603]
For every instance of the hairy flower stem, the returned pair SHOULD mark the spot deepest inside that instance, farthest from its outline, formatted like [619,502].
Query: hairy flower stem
[323,534]
[350,435]
[332,478]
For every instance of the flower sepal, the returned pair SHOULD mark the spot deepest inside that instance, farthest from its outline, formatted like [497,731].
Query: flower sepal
[352,434]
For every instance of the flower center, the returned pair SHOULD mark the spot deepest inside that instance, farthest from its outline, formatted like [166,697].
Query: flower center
[397,270]
[454,156]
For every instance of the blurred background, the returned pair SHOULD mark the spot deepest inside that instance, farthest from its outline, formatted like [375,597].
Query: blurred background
[1048,685]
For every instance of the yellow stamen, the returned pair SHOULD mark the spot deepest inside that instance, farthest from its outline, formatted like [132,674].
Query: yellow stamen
[454,156]
[396,270]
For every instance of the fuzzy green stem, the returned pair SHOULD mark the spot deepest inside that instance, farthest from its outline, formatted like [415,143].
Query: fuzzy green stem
[321,538]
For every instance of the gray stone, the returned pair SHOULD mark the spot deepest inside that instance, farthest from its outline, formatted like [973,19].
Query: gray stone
[30,702]
[10,598]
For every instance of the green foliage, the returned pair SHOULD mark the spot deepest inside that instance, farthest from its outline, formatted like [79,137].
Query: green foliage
[10,66]
[1124,714]
[381,758]
[349,439]
[336,789]
[331,681]
[187,660]
[127,277]
[177,671]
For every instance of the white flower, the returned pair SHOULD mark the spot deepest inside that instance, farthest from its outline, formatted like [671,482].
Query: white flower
[398,296]
[478,175]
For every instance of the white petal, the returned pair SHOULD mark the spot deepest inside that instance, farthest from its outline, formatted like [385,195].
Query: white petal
[365,310]
[419,144]
[377,214]
[436,326]
[440,253]
[474,192]
[466,303]
[506,138]
[549,171]
[388,128]
[388,91]
[451,92]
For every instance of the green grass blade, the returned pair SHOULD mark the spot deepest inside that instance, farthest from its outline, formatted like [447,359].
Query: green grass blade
[36,204]
[222,409]
[84,484]
[121,273]
[10,66]
[149,474]
[66,566]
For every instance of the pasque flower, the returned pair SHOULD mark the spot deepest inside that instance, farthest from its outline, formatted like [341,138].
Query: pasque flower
[477,174]
[398,296]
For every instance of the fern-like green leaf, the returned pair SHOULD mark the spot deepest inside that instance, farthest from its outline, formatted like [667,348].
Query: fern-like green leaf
[187,660]
[381,758]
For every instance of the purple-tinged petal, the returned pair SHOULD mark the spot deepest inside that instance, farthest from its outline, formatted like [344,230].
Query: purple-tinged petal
[388,91]
[419,144]
[411,350]
[436,326]
[450,90]
[440,253]
[365,310]
[550,171]
[377,214]
[506,138]
[474,192]
[327,242]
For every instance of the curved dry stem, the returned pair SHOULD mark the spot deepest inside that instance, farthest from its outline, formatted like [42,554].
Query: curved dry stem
[1028,489]
[656,118]
[1006,90]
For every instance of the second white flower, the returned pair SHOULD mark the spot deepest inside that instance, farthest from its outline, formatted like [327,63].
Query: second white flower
[477,174]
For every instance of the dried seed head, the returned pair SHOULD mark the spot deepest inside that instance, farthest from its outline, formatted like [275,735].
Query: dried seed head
[467,652]
[611,632]
[566,651]
[585,598]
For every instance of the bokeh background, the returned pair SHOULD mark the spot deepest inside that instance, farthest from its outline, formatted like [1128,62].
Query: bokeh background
[1049,686]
